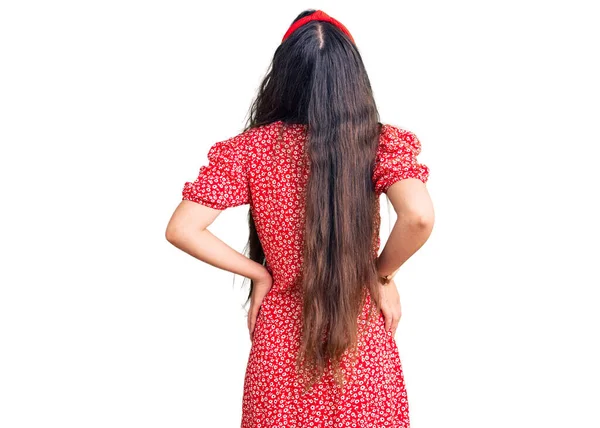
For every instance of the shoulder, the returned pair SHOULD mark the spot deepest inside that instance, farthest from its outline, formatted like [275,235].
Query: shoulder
[239,143]
[261,137]
[255,135]
[245,145]
[394,138]
[397,158]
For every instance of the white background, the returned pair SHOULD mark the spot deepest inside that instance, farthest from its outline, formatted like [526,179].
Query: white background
[107,108]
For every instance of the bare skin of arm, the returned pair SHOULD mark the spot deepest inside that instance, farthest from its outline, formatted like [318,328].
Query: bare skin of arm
[412,228]
[187,230]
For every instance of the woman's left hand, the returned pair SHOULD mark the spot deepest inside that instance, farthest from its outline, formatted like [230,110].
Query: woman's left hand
[260,288]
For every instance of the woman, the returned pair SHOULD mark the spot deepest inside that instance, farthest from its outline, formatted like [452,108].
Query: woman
[312,163]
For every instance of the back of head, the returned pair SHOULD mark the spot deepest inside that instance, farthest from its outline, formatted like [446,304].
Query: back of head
[316,70]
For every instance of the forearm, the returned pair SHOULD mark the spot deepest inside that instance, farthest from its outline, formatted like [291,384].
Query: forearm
[205,246]
[406,237]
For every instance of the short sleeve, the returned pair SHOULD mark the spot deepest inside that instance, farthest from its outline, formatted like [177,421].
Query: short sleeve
[396,158]
[222,182]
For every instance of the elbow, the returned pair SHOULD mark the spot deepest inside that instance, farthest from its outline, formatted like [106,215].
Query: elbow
[423,220]
[172,234]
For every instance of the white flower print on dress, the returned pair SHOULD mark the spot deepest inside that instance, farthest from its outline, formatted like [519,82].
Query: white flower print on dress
[268,173]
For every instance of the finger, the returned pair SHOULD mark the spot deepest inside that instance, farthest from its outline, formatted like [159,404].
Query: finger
[395,325]
[388,319]
[251,318]
[251,331]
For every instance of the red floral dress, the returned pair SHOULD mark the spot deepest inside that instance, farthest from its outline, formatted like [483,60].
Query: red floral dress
[264,167]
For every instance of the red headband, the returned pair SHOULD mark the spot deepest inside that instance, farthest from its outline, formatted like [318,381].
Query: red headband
[318,15]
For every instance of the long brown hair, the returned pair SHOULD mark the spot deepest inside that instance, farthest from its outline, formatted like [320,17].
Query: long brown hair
[317,77]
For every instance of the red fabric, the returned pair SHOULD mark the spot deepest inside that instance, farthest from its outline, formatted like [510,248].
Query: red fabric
[268,173]
[318,15]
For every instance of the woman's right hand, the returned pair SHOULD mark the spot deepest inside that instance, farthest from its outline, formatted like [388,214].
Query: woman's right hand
[390,306]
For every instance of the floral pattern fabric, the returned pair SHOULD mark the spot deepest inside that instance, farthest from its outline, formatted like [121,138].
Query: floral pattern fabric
[265,168]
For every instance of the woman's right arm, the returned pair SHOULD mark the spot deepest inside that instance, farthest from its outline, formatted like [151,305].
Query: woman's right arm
[413,226]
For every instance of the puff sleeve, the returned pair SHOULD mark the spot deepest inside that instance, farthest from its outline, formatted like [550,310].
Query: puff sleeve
[223,181]
[396,158]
